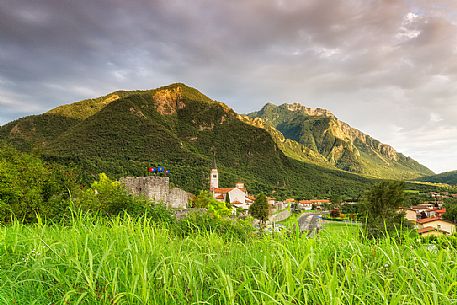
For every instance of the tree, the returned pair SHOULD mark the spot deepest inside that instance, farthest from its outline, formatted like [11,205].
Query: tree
[451,212]
[218,208]
[380,208]
[31,187]
[336,201]
[206,201]
[106,196]
[260,209]
[202,200]
[227,201]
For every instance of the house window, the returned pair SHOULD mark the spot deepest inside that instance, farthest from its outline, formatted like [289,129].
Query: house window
[214,176]
[438,227]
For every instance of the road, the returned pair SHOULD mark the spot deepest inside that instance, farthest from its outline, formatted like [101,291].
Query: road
[310,222]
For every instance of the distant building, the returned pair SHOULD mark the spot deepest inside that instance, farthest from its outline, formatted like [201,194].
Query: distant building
[309,204]
[411,215]
[214,177]
[305,205]
[423,211]
[430,231]
[237,195]
[435,223]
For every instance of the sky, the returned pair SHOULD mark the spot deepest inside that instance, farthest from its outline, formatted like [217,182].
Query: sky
[386,67]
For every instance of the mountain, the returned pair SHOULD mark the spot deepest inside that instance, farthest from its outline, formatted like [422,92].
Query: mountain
[447,177]
[178,127]
[317,136]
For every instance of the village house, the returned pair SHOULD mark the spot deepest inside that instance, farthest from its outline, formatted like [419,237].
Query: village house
[424,210]
[305,205]
[411,215]
[436,224]
[430,231]
[312,204]
[289,201]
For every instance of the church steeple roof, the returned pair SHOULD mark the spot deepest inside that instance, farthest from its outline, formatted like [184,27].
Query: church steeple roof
[214,162]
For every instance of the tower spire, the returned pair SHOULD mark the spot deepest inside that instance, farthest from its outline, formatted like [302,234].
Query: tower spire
[214,159]
[214,175]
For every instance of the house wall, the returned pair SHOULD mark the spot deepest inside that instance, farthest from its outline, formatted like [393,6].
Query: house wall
[410,215]
[307,206]
[444,226]
[237,195]
[432,233]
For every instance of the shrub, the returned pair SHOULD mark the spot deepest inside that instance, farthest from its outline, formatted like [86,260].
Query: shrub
[30,187]
[335,213]
[203,223]
[109,198]
[381,204]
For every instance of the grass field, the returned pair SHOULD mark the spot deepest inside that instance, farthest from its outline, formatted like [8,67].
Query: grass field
[93,261]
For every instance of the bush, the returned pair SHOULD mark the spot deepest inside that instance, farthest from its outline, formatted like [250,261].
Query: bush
[380,210]
[335,213]
[30,187]
[202,223]
[109,198]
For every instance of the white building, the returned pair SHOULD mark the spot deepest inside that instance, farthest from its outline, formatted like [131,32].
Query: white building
[237,195]
[436,223]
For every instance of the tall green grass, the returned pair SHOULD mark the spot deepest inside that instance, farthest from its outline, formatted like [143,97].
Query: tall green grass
[126,261]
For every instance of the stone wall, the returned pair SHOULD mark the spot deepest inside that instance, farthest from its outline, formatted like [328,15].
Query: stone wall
[157,189]
[280,216]
[177,198]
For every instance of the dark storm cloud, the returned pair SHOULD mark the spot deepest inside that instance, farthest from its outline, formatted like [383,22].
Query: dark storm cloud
[387,67]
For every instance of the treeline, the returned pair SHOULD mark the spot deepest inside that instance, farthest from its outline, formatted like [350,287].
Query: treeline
[32,190]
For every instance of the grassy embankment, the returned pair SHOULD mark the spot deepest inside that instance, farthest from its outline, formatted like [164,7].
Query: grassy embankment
[93,261]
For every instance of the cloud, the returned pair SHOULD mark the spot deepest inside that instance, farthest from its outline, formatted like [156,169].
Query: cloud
[387,67]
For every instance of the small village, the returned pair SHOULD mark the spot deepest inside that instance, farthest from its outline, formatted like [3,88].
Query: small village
[426,217]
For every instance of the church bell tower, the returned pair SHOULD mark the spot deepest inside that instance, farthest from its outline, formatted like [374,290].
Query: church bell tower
[214,176]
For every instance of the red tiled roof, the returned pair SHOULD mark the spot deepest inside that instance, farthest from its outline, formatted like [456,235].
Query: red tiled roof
[220,196]
[314,201]
[425,230]
[223,190]
[426,220]
[236,202]
[442,211]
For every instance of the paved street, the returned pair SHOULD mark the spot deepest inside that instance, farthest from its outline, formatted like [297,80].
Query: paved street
[310,222]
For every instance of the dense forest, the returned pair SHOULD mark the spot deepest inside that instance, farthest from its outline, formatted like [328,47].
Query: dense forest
[177,127]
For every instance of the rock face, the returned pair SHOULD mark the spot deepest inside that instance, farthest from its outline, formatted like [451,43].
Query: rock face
[168,101]
[157,189]
[316,135]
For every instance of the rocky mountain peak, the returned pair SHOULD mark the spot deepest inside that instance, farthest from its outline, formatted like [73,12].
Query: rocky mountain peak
[297,107]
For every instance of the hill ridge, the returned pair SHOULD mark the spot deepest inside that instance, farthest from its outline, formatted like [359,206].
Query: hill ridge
[344,147]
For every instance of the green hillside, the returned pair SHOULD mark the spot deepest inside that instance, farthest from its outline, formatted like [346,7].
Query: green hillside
[447,177]
[178,127]
[317,136]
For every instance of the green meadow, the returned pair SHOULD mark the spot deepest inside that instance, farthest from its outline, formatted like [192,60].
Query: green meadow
[93,260]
